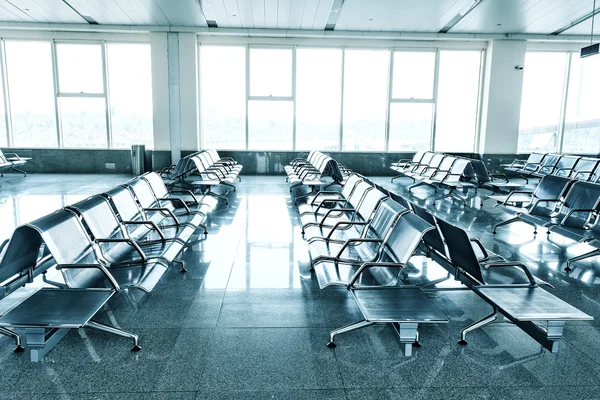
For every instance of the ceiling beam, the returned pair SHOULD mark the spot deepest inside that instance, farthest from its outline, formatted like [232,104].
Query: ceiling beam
[460,16]
[334,14]
[577,21]
[86,18]
[208,13]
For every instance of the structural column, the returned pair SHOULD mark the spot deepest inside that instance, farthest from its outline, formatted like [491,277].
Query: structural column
[501,105]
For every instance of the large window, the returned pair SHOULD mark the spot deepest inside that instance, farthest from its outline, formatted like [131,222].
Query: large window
[223,96]
[130,90]
[318,98]
[3,131]
[365,99]
[543,86]
[31,93]
[582,120]
[457,101]
[411,108]
[270,103]
[299,98]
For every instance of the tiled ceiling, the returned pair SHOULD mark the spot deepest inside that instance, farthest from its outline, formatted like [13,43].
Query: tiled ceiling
[455,16]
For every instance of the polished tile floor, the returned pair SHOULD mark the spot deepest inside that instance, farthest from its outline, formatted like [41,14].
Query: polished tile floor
[247,321]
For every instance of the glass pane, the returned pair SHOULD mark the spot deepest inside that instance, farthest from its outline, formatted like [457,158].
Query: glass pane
[270,125]
[83,122]
[29,69]
[130,86]
[270,72]
[3,133]
[458,94]
[413,75]
[365,99]
[318,98]
[541,101]
[410,126]
[80,68]
[223,97]
[582,121]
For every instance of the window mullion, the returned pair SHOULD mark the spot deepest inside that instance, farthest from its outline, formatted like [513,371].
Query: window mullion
[563,109]
[56,93]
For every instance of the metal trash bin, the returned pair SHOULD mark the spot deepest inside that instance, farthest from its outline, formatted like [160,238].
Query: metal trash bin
[138,159]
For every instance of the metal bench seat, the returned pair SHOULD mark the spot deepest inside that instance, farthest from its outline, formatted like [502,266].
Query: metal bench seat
[12,162]
[544,200]
[45,315]
[164,209]
[408,167]
[212,163]
[189,201]
[423,168]
[586,169]
[328,198]
[405,307]
[391,252]
[515,280]
[486,180]
[531,164]
[361,211]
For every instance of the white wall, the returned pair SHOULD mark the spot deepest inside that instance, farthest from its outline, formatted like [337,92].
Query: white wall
[501,103]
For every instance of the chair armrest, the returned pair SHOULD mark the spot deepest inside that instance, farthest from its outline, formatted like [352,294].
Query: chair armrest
[4,243]
[324,192]
[503,176]
[578,210]
[538,201]
[162,209]
[175,202]
[368,265]
[130,242]
[480,245]
[358,240]
[530,277]
[102,268]
[187,192]
[344,223]
[152,224]
[342,210]
[15,155]
[340,201]
[516,192]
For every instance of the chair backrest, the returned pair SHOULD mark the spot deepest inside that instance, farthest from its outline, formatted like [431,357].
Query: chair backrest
[65,237]
[585,169]
[549,163]
[461,168]
[425,161]
[460,250]
[566,165]
[143,193]
[359,194]
[156,184]
[436,160]
[418,156]
[124,203]
[19,255]
[535,158]
[447,163]
[481,172]
[432,238]
[198,164]
[350,185]
[98,216]
[550,187]
[581,196]
[332,169]
[370,203]
[384,217]
[405,236]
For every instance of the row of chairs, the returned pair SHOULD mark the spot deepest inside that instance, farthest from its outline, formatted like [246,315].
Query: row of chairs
[125,238]
[538,165]
[12,162]
[204,171]
[364,236]
[451,173]
[316,169]
[563,205]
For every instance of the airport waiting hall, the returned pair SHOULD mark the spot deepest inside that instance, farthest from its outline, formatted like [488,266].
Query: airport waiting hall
[299,199]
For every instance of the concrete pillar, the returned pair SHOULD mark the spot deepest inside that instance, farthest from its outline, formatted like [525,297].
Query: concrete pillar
[160,91]
[174,95]
[501,105]
[188,91]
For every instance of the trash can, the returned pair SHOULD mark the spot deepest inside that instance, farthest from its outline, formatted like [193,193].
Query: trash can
[138,159]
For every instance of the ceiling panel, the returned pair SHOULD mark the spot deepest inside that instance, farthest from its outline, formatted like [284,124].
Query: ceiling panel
[296,12]
[398,15]
[585,28]
[222,12]
[181,12]
[103,12]
[322,14]
[45,10]
[522,16]
[13,14]
[284,7]
[150,8]
[271,14]
[258,12]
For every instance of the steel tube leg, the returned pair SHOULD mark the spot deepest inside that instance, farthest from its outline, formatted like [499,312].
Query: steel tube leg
[14,335]
[476,325]
[510,221]
[347,328]
[581,257]
[115,331]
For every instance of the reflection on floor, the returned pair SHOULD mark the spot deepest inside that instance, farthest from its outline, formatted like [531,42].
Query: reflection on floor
[248,321]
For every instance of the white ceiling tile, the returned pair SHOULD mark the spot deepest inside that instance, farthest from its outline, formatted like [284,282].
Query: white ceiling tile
[222,13]
[296,13]
[271,14]
[284,8]
[258,13]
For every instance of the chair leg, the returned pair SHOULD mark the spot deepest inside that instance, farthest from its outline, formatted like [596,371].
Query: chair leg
[182,263]
[477,325]
[592,253]
[514,219]
[395,177]
[18,170]
[115,331]
[344,329]
[14,335]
